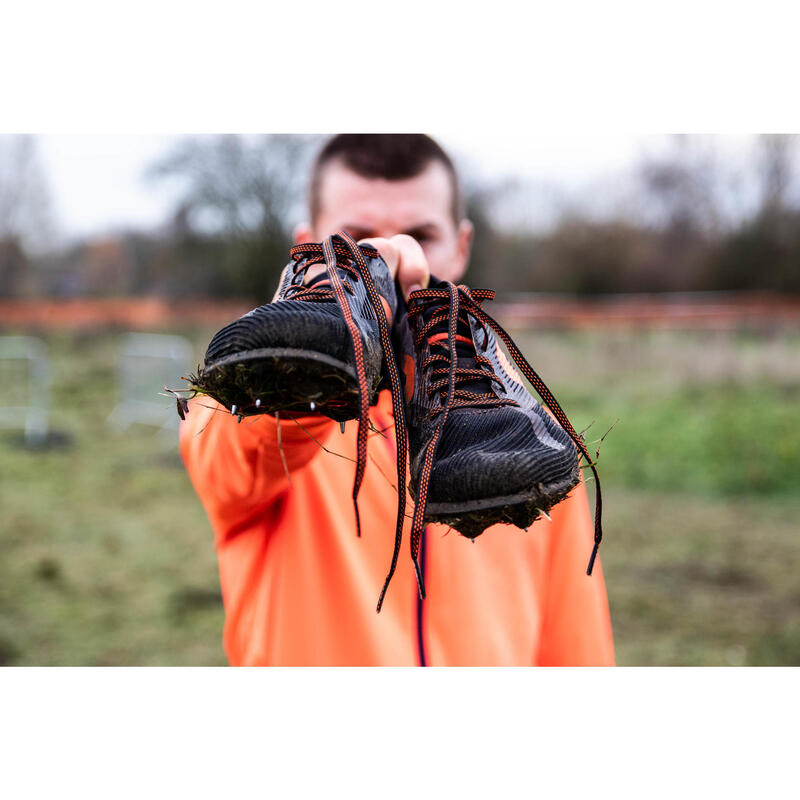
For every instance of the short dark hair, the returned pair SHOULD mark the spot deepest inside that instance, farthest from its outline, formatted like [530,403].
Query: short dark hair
[392,156]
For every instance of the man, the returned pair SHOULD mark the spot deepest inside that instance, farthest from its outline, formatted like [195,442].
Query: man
[299,586]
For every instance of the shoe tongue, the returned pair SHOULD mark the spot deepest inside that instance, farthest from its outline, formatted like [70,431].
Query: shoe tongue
[322,277]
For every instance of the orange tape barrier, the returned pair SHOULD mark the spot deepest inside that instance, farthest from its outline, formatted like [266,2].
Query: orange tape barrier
[128,313]
[700,310]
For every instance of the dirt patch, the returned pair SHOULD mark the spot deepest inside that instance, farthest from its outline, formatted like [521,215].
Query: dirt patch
[705,573]
[189,599]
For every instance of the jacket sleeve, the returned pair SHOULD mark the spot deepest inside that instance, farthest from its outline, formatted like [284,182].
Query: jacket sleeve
[236,468]
[576,626]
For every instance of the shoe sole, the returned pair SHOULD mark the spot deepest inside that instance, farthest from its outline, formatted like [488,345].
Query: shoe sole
[471,518]
[284,380]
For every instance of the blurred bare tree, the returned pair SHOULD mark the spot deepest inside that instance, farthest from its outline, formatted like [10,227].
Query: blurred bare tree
[26,212]
[764,251]
[684,186]
[775,158]
[699,220]
[233,218]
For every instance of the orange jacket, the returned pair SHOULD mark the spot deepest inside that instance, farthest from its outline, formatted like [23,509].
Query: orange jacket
[300,588]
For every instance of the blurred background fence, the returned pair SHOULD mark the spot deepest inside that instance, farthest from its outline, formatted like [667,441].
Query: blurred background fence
[665,296]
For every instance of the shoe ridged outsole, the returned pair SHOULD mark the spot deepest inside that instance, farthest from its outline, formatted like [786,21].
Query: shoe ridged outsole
[284,380]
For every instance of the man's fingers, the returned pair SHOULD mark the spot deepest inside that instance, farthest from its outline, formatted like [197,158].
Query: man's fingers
[406,261]
[413,272]
[388,252]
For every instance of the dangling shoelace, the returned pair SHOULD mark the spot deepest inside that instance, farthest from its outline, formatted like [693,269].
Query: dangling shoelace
[452,305]
[340,252]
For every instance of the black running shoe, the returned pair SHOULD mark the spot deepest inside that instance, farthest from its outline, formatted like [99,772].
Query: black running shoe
[300,353]
[317,348]
[483,451]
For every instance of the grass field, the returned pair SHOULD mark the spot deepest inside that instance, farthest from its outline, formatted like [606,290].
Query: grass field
[106,555]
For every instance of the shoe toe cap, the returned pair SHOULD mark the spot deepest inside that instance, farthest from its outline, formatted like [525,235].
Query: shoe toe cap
[318,327]
[487,453]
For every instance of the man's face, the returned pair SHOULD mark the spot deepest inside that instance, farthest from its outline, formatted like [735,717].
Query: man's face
[374,207]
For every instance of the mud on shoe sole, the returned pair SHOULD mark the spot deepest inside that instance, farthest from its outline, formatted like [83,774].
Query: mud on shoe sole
[281,379]
[472,517]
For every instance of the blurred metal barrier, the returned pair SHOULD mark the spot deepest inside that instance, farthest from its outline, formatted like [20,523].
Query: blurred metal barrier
[146,363]
[25,386]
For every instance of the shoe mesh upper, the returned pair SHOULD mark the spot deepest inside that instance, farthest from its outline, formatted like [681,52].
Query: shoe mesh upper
[291,323]
[489,452]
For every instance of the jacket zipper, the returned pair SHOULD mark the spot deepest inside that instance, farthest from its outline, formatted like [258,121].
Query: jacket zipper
[420,640]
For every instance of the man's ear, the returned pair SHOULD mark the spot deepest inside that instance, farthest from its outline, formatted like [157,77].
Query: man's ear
[466,231]
[303,234]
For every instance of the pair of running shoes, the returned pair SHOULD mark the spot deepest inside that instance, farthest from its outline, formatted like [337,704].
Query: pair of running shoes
[479,448]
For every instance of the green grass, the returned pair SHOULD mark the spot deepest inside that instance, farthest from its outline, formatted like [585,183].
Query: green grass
[106,556]
[702,581]
[720,440]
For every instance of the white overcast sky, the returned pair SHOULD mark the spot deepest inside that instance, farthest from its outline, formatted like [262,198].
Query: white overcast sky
[97,183]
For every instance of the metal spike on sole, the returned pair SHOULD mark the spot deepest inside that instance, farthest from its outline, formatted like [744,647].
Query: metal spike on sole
[312,405]
[233,411]
[341,427]
[258,402]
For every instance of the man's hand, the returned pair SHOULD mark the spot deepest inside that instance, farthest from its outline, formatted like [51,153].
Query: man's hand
[406,261]
[403,255]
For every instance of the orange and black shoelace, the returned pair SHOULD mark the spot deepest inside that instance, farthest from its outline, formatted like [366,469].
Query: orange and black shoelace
[452,305]
[340,252]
